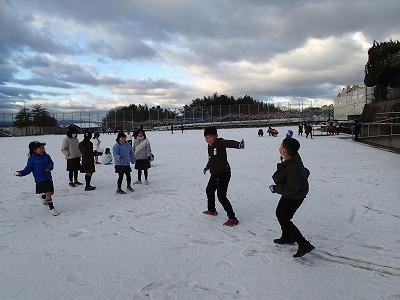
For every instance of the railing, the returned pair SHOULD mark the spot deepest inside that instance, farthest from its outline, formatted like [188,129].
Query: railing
[387,124]
[385,131]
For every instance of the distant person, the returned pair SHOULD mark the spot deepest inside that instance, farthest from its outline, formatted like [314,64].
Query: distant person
[291,182]
[357,130]
[331,128]
[300,131]
[272,132]
[129,137]
[123,157]
[143,156]
[40,165]
[260,132]
[337,127]
[220,173]
[96,147]
[70,149]
[86,147]
[106,158]
[172,129]
[308,130]
[182,128]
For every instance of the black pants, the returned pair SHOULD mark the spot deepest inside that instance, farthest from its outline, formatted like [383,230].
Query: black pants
[219,183]
[121,177]
[284,212]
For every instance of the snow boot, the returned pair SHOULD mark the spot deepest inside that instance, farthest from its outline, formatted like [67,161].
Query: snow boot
[304,249]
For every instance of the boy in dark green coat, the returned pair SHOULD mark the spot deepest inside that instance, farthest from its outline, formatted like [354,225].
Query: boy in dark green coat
[291,181]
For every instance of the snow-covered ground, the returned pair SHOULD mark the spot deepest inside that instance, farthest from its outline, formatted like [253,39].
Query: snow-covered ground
[155,243]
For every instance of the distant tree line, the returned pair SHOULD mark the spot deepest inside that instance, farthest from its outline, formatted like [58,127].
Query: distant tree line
[37,116]
[135,114]
[217,100]
[141,113]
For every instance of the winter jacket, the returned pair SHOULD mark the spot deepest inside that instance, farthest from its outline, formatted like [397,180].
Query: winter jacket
[37,164]
[217,157]
[123,154]
[291,178]
[141,147]
[70,148]
[86,148]
[106,159]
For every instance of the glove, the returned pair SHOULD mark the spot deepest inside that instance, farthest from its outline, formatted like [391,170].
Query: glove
[272,188]
[17,173]
[121,159]
[205,170]
[149,158]
[241,144]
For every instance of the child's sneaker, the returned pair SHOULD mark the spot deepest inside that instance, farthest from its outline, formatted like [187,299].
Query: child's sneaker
[53,212]
[129,189]
[72,184]
[212,213]
[137,182]
[231,222]
[146,182]
[90,188]
[77,182]
[121,192]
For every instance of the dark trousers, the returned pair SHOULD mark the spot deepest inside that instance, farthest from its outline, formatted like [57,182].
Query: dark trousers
[121,177]
[219,183]
[284,212]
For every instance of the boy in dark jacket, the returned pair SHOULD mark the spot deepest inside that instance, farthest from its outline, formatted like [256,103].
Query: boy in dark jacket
[220,173]
[291,181]
[41,165]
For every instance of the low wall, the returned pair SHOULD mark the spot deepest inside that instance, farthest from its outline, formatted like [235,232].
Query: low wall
[392,141]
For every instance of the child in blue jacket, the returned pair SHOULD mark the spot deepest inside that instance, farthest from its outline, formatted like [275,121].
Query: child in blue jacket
[40,165]
[123,157]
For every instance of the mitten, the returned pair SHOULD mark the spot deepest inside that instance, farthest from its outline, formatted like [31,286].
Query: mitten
[272,188]
[241,144]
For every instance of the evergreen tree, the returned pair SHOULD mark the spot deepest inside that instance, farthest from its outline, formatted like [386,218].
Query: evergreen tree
[23,119]
[41,117]
[383,67]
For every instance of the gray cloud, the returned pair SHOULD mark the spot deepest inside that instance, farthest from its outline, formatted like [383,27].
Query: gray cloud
[93,50]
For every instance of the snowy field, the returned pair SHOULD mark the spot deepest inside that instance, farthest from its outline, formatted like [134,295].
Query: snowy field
[155,243]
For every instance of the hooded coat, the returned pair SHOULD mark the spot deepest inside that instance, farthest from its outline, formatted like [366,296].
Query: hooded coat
[291,178]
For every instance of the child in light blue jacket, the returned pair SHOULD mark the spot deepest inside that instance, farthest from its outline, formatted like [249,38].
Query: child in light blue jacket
[123,157]
[106,158]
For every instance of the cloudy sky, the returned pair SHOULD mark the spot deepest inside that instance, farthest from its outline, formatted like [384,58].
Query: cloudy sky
[96,54]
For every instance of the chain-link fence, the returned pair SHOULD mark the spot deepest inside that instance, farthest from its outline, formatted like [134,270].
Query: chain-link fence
[250,115]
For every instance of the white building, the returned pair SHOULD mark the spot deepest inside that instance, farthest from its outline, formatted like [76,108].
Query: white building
[351,101]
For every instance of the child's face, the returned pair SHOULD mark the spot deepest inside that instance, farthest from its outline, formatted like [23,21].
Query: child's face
[281,150]
[122,139]
[39,151]
[140,134]
[210,138]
